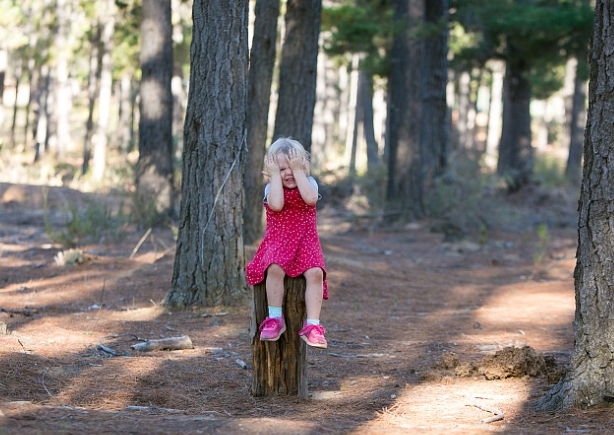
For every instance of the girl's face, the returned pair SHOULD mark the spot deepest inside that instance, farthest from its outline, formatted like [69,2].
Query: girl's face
[287,177]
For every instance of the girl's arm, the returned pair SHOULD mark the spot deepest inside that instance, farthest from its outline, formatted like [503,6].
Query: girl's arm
[306,189]
[275,197]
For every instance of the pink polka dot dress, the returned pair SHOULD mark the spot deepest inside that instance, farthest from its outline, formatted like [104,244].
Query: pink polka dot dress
[290,240]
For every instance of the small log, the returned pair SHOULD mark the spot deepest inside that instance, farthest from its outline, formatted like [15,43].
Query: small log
[173,343]
[280,367]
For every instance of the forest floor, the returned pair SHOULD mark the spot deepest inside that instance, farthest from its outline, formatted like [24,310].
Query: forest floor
[425,336]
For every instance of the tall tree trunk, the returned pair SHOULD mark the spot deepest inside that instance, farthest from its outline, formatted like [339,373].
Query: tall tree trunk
[104,99]
[92,92]
[352,115]
[405,178]
[125,127]
[588,382]
[4,56]
[464,104]
[325,120]
[17,75]
[297,71]
[541,139]
[3,66]
[63,94]
[577,122]
[154,173]
[493,134]
[435,117]
[32,86]
[515,162]
[41,119]
[51,136]
[209,265]
[568,91]
[261,63]
[366,104]
[357,123]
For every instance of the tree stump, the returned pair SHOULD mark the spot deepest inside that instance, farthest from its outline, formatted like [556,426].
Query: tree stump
[280,367]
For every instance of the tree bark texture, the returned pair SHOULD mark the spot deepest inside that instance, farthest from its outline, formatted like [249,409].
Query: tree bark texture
[280,367]
[209,265]
[154,174]
[261,63]
[590,380]
[405,178]
[515,162]
[297,71]
[436,123]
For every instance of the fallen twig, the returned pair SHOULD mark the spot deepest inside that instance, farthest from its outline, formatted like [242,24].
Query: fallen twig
[43,382]
[138,245]
[107,349]
[498,414]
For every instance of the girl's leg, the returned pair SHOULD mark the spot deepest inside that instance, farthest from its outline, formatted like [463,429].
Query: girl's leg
[275,285]
[313,333]
[273,326]
[314,278]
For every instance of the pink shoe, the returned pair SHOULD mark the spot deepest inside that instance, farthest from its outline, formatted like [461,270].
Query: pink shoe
[313,335]
[272,328]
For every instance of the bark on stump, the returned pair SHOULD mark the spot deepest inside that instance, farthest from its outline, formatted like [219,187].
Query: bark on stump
[280,367]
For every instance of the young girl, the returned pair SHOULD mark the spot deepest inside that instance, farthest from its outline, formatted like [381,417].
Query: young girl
[290,245]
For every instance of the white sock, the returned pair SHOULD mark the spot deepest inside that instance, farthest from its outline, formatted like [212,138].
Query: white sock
[275,312]
[313,321]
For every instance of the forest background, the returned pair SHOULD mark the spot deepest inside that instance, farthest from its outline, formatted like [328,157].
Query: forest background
[415,111]
[70,76]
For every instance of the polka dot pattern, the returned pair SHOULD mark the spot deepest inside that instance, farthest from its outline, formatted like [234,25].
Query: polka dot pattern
[290,240]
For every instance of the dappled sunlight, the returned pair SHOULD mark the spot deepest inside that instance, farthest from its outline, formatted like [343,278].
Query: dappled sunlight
[452,407]
[547,309]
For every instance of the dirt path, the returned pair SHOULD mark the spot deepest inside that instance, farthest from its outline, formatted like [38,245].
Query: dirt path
[413,326]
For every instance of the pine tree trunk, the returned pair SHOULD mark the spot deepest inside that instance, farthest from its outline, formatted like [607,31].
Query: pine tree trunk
[297,71]
[366,103]
[41,119]
[493,135]
[588,382]
[435,123]
[127,96]
[352,115]
[104,99]
[33,73]
[17,74]
[515,162]
[262,61]
[63,94]
[405,177]
[209,265]
[280,367]
[92,91]
[154,173]
[3,66]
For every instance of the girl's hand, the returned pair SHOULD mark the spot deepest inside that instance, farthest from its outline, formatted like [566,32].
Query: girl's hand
[271,167]
[295,161]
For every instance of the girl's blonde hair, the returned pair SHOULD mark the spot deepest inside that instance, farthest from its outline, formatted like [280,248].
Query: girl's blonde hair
[285,144]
